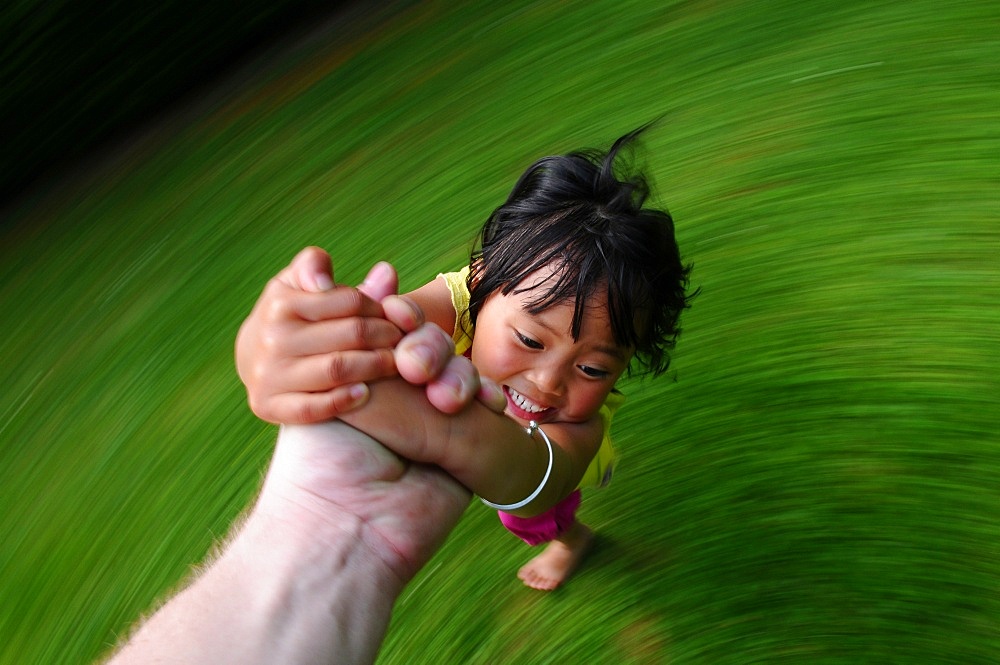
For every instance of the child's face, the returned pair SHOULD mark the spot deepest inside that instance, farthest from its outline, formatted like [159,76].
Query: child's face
[545,374]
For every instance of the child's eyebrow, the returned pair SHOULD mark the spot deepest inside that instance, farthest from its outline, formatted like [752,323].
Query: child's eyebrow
[615,352]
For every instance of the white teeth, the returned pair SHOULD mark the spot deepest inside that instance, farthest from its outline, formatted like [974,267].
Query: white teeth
[524,403]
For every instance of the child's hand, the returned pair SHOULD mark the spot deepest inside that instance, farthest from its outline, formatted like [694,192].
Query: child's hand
[308,346]
[426,356]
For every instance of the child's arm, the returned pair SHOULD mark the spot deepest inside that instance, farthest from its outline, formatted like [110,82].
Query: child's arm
[489,453]
[434,300]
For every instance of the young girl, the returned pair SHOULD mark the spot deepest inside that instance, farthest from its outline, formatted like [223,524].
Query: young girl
[572,282]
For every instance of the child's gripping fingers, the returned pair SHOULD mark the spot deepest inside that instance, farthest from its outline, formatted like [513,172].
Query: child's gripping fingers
[455,387]
[423,354]
[404,312]
[491,395]
[459,384]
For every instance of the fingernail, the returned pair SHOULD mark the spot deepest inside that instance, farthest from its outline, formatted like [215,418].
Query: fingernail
[323,282]
[424,355]
[493,391]
[454,383]
[446,337]
[416,313]
[378,273]
[358,393]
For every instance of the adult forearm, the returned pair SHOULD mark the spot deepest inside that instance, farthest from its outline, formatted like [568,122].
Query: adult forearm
[340,526]
[274,596]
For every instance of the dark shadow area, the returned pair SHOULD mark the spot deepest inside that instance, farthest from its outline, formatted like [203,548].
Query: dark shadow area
[75,76]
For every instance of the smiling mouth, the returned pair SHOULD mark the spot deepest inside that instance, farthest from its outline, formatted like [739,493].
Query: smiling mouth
[523,403]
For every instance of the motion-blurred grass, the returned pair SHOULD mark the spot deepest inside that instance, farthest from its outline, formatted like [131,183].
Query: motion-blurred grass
[817,481]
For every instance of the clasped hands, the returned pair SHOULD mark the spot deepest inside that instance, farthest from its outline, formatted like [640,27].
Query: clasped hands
[341,523]
[309,347]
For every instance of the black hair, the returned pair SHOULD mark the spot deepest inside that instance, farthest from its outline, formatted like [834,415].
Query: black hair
[583,216]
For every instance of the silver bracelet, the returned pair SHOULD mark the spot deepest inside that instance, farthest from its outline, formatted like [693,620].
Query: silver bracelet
[530,429]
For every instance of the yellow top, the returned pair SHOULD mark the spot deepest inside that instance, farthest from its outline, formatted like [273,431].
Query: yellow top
[598,473]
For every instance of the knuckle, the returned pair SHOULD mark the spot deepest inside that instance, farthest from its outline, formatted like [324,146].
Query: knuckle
[256,377]
[278,307]
[386,361]
[353,300]
[303,412]
[268,343]
[272,285]
[336,368]
[258,407]
[360,331]
[300,414]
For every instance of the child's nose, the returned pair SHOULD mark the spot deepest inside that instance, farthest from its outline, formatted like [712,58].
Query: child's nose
[548,378]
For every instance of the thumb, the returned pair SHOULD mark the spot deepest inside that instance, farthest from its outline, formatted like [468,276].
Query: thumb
[381,281]
[310,270]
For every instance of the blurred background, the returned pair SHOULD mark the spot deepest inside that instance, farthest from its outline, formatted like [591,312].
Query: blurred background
[816,480]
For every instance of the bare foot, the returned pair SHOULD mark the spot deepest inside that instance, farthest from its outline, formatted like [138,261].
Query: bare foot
[561,557]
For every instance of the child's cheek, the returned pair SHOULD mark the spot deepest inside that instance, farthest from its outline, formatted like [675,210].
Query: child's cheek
[493,361]
[590,399]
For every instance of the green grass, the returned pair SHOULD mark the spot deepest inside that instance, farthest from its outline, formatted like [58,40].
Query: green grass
[817,481]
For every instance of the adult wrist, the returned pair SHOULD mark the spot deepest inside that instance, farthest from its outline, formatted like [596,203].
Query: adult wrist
[301,568]
[291,533]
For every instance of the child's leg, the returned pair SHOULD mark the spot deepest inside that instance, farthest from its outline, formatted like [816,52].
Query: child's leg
[558,560]
[568,542]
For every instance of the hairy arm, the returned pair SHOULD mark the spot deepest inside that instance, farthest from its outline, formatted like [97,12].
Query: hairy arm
[341,525]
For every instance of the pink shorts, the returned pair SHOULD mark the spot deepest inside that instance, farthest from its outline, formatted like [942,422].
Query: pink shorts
[547,526]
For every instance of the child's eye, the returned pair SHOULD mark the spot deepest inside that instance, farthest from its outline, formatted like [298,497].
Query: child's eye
[593,372]
[527,341]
